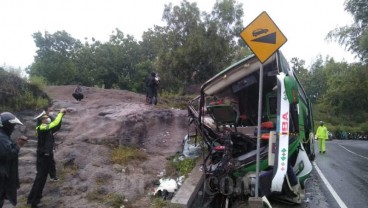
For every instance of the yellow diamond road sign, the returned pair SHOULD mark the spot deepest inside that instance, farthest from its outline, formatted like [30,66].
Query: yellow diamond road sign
[263,37]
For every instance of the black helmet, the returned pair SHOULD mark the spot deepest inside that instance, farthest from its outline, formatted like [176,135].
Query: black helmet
[8,122]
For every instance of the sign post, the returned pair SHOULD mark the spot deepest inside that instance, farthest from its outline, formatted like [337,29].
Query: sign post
[264,38]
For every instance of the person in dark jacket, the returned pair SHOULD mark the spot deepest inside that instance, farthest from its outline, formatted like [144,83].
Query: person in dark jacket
[45,146]
[48,111]
[9,177]
[146,88]
[78,93]
[152,85]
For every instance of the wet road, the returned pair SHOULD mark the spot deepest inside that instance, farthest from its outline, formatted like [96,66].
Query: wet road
[345,166]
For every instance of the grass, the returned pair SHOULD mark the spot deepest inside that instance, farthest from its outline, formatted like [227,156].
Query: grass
[103,179]
[169,100]
[71,169]
[158,202]
[125,155]
[179,166]
[111,199]
[22,203]
[17,94]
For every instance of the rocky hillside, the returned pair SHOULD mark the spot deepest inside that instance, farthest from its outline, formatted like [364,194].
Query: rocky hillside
[90,131]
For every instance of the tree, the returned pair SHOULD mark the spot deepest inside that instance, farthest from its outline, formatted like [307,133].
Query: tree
[189,49]
[347,90]
[315,81]
[355,36]
[303,75]
[196,45]
[54,59]
[116,62]
[85,62]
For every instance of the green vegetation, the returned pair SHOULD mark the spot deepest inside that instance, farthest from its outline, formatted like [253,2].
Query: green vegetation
[354,37]
[171,100]
[124,155]
[180,57]
[70,169]
[39,82]
[338,92]
[111,199]
[16,94]
[158,202]
[178,165]
[103,179]
[22,203]
[187,50]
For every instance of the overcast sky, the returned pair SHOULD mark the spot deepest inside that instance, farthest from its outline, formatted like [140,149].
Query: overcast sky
[305,23]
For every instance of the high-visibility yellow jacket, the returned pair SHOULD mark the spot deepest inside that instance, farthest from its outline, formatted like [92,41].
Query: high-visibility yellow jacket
[322,132]
[45,144]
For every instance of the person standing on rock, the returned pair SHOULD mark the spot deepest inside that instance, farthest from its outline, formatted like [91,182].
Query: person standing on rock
[147,89]
[78,93]
[48,111]
[45,146]
[152,86]
[9,150]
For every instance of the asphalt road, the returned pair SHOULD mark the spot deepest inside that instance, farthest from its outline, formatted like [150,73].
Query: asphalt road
[345,169]
[345,166]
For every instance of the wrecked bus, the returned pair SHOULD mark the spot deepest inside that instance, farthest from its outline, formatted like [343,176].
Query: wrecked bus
[225,118]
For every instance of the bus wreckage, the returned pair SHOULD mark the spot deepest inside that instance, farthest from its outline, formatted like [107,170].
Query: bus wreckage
[225,117]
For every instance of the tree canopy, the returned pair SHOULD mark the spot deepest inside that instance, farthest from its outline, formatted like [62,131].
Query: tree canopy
[193,45]
[189,49]
[354,37]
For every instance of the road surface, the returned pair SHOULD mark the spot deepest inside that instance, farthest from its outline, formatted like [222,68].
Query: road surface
[345,166]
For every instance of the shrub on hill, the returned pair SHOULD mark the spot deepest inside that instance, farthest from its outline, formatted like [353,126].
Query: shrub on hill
[16,94]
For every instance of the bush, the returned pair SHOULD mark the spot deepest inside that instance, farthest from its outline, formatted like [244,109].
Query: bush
[17,95]
[171,100]
[124,155]
[111,199]
[39,82]
[179,165]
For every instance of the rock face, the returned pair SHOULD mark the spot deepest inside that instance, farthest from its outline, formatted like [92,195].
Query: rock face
[103,120]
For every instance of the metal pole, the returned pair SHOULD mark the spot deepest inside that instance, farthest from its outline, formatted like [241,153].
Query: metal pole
[259,126]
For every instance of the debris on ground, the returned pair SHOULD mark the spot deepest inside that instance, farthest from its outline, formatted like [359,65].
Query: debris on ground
[191,150]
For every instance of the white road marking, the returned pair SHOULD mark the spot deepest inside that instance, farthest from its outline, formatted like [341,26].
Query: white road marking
[332,191]
[353,152]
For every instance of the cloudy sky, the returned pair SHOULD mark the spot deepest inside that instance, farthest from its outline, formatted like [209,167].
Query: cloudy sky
[305,23]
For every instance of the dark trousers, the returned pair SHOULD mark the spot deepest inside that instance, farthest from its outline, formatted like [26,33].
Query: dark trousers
[152,95]
[2,191]
[78,96]
[43,165]
[52,171]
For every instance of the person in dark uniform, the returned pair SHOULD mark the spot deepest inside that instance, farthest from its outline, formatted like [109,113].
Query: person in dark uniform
[45,146]
[9,150]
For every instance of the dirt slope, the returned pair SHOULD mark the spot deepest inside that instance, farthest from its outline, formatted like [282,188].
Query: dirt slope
[104,119]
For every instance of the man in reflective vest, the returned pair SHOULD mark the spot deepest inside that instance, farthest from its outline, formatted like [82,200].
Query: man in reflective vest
[322,136]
